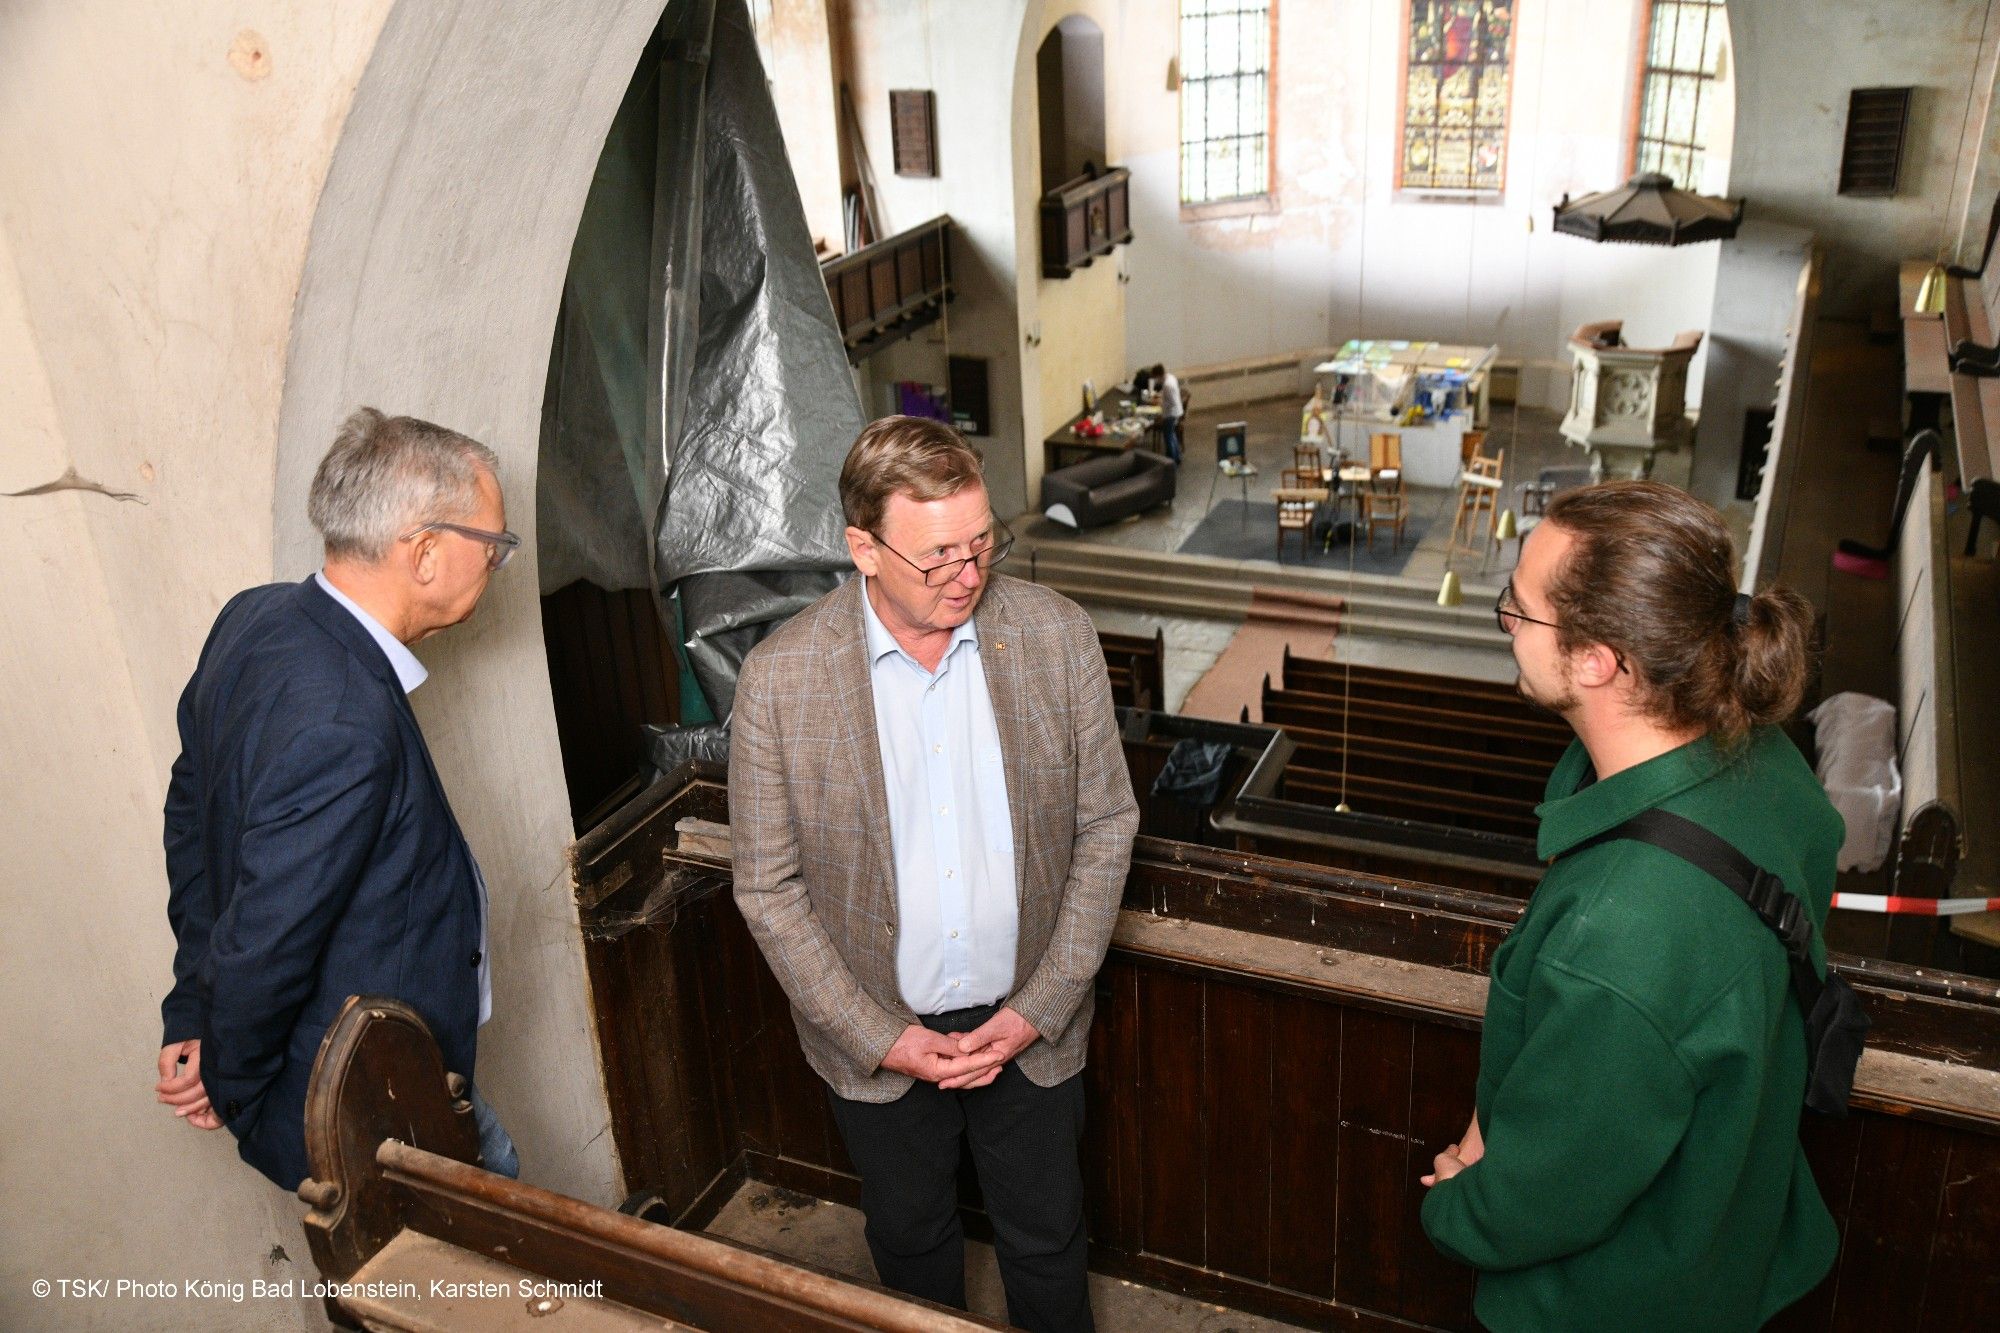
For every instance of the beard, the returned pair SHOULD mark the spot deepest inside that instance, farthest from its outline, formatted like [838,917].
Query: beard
[1560,701]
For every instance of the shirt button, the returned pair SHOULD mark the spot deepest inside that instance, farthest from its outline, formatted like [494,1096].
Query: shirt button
[954,935]
[944,809]
[476,955]
[949,874]
[937,749]
[954,985]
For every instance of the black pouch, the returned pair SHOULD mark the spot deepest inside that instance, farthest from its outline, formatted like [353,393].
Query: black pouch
[1836,1023]
[1836,1029]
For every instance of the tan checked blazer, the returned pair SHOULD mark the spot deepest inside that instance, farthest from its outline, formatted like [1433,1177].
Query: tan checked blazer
[809,827]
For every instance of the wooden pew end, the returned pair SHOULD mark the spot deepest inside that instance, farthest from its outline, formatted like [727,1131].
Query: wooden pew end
[378,1077]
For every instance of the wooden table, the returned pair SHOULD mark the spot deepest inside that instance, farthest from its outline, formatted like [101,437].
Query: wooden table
[1066,447]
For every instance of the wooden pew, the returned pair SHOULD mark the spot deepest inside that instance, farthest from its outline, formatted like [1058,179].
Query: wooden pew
[400,1204]
[1138,668]
[1513,715]
[1306,671]
[1454,731]
[1410,800]
[1279,1049]
[1330,752]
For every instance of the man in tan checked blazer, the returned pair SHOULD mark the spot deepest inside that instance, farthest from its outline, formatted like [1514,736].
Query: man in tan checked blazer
[932,821]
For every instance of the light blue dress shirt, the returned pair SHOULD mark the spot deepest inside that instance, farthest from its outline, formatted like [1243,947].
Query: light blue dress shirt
[411,673]
[949,821]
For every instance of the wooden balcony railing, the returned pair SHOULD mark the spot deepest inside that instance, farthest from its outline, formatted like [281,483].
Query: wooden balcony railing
[887,291]
[1084,218]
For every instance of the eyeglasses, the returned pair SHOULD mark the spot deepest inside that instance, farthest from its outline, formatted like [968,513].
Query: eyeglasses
[936,576]
[500,546]
[1510,618]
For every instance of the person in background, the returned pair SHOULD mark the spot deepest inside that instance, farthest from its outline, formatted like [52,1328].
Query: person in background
[1633,1160]
[1172,409]
[311,851]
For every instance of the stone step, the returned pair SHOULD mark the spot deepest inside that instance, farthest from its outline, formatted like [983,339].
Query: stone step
[1357,619]
[1219,591]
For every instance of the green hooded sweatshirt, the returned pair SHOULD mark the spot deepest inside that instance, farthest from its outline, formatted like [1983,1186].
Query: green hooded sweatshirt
[1642,1066]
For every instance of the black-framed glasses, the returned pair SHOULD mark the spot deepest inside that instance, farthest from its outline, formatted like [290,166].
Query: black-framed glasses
[500,546]
[936,576]
[1508,615]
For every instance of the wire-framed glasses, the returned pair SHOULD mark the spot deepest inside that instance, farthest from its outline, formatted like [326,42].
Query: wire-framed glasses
[999,541]
[500,546]
[1508,615]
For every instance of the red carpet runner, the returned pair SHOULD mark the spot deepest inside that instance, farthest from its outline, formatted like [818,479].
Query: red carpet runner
[1277,619]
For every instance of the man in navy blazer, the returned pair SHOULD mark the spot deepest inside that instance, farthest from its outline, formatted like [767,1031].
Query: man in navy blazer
[310,849]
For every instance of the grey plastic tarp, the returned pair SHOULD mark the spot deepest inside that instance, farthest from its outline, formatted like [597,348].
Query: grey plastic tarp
[749,403]
[750,530]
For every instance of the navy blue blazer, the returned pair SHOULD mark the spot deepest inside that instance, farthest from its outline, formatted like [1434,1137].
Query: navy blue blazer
[311,855]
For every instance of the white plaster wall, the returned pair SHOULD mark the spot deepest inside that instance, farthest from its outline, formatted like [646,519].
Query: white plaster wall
[155,200]
[965,50]
[1796,62]
[1756,295]
[794,41]
[205,262]
[1080,320]
[1343,255]
[436,265]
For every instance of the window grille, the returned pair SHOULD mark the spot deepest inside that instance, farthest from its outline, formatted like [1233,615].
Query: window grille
[1677,88]
[1225,100]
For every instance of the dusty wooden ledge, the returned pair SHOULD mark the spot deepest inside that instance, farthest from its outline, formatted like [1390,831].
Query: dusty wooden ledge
[1886,1079]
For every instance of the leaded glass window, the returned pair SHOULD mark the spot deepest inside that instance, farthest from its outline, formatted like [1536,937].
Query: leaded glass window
[1225,100]
[1455,96]
[1677,93]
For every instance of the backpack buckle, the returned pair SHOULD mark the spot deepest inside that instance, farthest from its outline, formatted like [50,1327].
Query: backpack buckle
[1794,927]
[1767,898]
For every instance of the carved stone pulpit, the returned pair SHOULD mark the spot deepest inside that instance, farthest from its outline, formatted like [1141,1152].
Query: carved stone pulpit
[1627,406]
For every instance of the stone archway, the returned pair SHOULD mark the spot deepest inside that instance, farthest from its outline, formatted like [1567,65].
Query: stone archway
[431,285]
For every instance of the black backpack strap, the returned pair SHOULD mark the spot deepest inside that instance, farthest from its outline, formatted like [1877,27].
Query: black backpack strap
[1775,905]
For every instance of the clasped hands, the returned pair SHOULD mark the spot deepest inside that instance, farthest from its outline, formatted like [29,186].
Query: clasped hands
[180,1085]
[955,1060]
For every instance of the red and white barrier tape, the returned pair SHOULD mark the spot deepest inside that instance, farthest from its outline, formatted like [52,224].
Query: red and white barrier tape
[1878,902]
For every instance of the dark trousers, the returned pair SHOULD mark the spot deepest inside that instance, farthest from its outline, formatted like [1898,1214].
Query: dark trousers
[1170,435]
[1024,1145]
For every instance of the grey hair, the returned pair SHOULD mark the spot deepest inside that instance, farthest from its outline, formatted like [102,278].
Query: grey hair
[386,475]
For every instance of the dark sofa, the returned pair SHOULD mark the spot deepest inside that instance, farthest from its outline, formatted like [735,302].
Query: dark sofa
[1103,490]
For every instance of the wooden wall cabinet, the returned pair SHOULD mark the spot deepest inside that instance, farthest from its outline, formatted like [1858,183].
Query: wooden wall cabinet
[1084,219]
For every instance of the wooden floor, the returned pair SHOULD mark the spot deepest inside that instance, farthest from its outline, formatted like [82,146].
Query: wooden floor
[816,1231]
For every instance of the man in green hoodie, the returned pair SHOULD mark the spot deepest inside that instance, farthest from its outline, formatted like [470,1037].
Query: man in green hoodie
[1633,1159]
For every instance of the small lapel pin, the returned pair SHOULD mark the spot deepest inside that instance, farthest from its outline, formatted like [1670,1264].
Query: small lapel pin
[1000,647]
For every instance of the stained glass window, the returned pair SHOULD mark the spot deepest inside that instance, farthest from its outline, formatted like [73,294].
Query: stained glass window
[1677,94]
[1459,60]
[1225,99]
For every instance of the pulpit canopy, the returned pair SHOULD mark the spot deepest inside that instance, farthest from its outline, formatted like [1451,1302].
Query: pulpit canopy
[1649,210]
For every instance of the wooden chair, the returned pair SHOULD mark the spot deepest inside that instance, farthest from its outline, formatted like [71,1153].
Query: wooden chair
[1385,460]
[1295,514]
[1385,508]
[1308,458]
